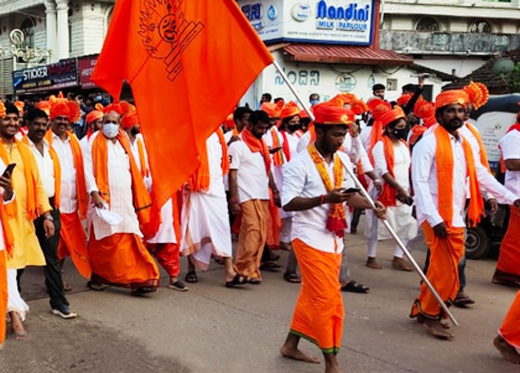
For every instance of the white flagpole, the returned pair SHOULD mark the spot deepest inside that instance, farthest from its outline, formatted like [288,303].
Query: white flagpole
[371,201]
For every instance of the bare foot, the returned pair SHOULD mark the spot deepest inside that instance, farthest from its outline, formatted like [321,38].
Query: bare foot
[437,329]
[296,354]
[67,286]
[332,369]
[372,263]
[17,327]
[508,352]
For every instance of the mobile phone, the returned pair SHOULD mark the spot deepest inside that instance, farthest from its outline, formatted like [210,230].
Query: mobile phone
[9,170]
[352,190]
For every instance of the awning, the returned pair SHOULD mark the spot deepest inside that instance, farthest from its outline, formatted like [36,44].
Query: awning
[343,54]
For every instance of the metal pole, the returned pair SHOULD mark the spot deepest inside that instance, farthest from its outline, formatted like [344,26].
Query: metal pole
[373,205]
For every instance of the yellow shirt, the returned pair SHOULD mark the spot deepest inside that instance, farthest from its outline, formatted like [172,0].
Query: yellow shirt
[27,250]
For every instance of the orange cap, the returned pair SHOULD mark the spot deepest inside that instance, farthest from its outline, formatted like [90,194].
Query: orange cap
[453,97]
[93,116]
[326,114]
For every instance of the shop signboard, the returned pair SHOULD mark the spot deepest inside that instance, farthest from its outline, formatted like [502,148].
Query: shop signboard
[59,75]
[85,69]
[349,22]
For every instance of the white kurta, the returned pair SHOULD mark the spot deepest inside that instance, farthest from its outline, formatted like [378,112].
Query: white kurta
[400,216]
[120,188]
[205,223]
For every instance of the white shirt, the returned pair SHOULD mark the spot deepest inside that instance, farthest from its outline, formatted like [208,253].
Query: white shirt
[252,179]
[425,184]
[68,192]
[510,145]
[120,189]
[365,136]
[475,147]
[402,163]
[216,184]
[357,152]
[2,242]
[302,179]
[45,167]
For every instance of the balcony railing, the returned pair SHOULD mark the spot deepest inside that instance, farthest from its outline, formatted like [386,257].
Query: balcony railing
[456,43]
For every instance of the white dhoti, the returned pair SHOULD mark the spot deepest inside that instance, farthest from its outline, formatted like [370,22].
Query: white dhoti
[166,232]
[15,302]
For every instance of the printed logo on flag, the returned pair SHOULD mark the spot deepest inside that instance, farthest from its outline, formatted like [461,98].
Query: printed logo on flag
[166,33]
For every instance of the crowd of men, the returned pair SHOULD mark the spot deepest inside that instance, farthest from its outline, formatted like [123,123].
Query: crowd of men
[285,182]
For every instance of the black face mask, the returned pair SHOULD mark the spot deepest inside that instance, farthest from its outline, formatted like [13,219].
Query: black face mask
[401,133]
[293,128]
[135,131]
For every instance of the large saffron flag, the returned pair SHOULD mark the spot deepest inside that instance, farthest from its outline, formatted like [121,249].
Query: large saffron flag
[188,63]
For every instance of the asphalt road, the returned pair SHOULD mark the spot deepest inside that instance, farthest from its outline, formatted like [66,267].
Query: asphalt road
[215,329]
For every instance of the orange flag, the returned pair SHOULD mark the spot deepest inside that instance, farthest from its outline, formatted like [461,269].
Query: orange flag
[188,63]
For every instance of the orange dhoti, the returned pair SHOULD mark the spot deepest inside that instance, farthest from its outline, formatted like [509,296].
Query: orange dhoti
[251,242]
[122,260]
[3,295]
[73,243]
[446,254]
[318,315]
[274,224]
[510,329]
[168,256]
[508,266]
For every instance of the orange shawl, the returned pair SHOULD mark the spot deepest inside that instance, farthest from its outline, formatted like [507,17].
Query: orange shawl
[283,155]
[483,152]
[57,171]
[417,132]
[336,221]
[445,165]
[81,186]
[257,145]
[142,157]
[200,180]
[142,201]
[31,177]
[389,195]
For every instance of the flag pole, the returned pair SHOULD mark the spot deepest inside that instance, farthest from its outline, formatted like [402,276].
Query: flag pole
[365,194]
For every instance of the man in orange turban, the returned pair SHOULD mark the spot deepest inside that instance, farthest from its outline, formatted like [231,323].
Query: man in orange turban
[441,163]
[94,121]
[316,186]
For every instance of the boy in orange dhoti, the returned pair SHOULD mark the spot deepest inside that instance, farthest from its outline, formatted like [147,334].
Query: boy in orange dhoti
[315,185]
[441,165]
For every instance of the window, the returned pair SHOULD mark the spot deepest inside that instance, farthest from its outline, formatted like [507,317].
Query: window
[481,27]
[427,24]
[28,31]
[391,84]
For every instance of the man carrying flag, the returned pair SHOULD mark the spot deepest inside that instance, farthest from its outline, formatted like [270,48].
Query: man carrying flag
[156,46]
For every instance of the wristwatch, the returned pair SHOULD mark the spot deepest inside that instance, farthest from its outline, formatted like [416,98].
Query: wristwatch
[49,217]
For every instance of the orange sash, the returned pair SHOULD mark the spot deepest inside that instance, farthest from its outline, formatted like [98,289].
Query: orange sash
[257,145]
[483,152]
[336,221]
[200,180]
[31,176]
[389,195]
[280,157]
[142,158]
[445,164]
[417,132]
[142,200]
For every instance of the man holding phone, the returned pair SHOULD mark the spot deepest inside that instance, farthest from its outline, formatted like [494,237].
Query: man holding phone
[316,188]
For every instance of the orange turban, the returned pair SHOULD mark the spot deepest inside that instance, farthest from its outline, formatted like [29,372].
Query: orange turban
[391,116]
[326,114]
[93,116]
[44,106]
[129,119]
[289,110]
[272,110]
[3,112]
[229,123]
[478,94]
[60,106]
[453,97]
[20,106]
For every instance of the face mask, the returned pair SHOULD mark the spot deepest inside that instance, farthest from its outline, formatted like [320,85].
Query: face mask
[401,133]
[315,102]
[110,130]
[294,127]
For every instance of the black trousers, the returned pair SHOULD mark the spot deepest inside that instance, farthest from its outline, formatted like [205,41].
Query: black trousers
[53,280]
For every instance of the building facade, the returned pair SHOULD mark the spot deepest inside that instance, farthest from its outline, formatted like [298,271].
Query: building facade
[63,28]
[453,36]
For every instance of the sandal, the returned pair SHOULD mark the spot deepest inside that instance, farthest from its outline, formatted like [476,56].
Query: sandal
[270,266]
[354,287]
[292,278]
[96,286]
[254,281]
[238,280]
[191,277]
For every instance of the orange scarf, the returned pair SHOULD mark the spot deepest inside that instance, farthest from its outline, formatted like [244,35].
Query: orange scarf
[142,200]
[336,221]
[142,158]
[81,185]
[483,152]
[257,145]
[286,148]
[31,176]
[57,171]
[445,165]
[200,180]
[417,132]
[278,157]
[389,195]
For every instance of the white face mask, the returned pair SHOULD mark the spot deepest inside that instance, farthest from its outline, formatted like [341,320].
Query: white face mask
[110,130]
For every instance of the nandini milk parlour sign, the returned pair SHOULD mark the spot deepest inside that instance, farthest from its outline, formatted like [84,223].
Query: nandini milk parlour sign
[349,22]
